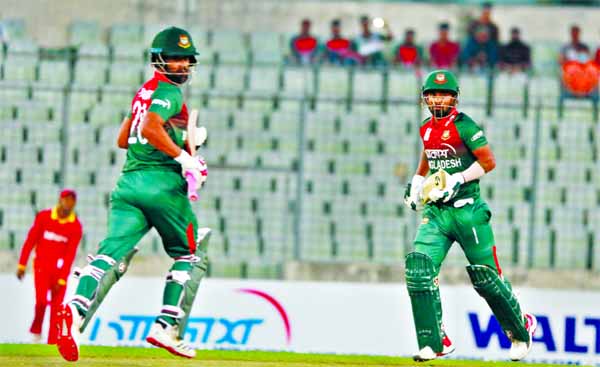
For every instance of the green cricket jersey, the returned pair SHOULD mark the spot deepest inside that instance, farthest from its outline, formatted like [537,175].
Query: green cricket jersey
[449,144]
[160,96]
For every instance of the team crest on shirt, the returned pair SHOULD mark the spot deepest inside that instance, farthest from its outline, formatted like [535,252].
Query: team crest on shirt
[446,135]
[184,41]
[440,78]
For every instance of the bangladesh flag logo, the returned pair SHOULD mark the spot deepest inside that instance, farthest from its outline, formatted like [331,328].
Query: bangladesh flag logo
[184,41]
[440,78]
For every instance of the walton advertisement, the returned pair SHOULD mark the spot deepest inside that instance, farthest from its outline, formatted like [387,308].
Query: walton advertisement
[326,317]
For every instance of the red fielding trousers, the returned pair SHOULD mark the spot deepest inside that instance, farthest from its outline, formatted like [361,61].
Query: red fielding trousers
[46,281]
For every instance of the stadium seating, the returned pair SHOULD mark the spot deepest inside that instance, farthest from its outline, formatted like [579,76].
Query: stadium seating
[357,130]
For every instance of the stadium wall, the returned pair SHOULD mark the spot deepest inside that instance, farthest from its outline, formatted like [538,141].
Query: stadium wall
[48,20]
[340,318]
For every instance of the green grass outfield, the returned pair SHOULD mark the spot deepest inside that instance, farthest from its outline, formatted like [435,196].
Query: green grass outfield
[15,355]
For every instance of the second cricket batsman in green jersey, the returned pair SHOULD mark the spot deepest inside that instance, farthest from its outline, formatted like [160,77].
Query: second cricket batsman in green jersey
[455,156]
[150,193]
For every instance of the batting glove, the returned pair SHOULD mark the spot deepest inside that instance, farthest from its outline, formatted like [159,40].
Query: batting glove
[194,165]
[412,194]
[450,190]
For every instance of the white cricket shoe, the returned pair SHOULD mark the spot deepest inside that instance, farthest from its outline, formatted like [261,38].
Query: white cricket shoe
[68,323]
[36,338]
[519,349]
[167,338]
[427,354]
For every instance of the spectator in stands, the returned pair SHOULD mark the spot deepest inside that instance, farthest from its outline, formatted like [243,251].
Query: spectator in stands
[304,46]
[338,50]
[370,45]
[408,53]
[515,56]
[480,52]
[444,53]
[55,235]
[484,21]
[579,72]
[575,50]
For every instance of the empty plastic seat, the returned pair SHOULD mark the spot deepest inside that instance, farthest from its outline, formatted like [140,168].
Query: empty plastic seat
[544,56]
[264,80]
[84,32]
[510,87]
[266,48]
[20,68]
[130,33]
[474,88]
[403,85]
[230,46]
[89,73]
[56,73]
[30,112]
[230,78]
[334,82]
[298,82]
[94,51]
[105,114]
[367,85]
[126,74]
[118,97]
[133,53]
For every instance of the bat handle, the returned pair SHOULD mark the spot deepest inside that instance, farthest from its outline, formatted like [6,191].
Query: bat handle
[192,186]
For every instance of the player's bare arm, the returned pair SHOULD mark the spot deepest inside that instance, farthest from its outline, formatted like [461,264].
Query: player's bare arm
[423,167]
[124,133]
[152,129]
[485,157]
[485,163]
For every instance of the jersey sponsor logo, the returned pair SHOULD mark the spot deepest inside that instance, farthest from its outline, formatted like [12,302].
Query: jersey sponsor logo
[145,94]
[163,103]
[477,135]
[51,236]
[445,164]
[184,41]
[427,134]
[436,153]
[449,147]
[446,135]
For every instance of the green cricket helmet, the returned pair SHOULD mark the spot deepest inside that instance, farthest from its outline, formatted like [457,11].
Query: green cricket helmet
[442,80]
[173,43]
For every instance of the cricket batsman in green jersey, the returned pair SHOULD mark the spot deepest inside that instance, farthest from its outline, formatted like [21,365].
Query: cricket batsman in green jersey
[151,192]
[456,155]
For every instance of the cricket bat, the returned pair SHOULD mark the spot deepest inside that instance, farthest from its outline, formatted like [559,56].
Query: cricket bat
[195,137]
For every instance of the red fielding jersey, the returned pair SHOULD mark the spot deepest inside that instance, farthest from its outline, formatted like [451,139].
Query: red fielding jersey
[54,240]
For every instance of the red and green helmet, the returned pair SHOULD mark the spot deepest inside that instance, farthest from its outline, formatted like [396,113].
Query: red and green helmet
[174,41]
[442,80]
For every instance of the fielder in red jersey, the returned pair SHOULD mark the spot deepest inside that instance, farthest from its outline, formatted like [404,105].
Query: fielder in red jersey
[55,234]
